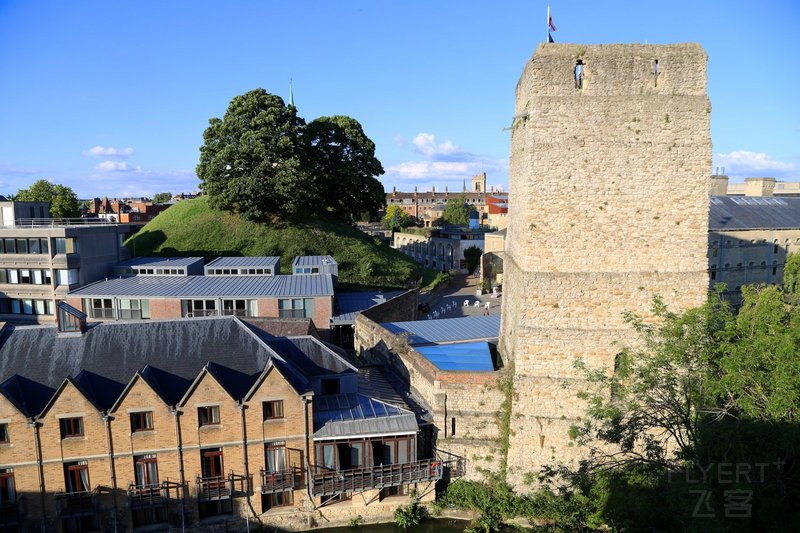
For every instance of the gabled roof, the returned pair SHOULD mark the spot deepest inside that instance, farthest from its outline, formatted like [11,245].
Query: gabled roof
[243,262]
[28,396]
[447,329]
[203,373]
[310,356]
[57,394]
[236,383]
[161,262]
[350,303]
[169,387]
[99,390]
[313,260]
[299,384]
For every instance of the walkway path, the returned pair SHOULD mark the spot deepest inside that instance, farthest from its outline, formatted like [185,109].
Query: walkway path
[449,303]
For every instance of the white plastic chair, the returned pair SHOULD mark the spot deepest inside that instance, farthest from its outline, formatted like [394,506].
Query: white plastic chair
[477,303]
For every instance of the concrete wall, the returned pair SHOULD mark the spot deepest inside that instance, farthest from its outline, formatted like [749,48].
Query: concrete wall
[610,185]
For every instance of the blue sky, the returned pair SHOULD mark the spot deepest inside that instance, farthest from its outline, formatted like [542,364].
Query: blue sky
[111,98]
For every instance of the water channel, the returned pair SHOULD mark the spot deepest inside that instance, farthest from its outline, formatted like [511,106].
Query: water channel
[444,525]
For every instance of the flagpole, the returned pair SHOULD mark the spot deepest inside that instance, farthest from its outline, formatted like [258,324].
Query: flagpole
[547,40]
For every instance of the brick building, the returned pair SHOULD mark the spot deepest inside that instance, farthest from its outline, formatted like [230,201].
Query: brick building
[420,205]
[200,421]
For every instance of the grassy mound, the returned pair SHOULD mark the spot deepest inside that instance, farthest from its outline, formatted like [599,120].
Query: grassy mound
[193,228]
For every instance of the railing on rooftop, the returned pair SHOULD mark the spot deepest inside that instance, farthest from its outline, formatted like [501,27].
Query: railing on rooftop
[60,222]
[361,479]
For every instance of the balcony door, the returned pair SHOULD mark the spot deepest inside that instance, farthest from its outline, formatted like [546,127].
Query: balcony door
[76,477]
[8,492]
[211,463]
[276,456]
[146,470]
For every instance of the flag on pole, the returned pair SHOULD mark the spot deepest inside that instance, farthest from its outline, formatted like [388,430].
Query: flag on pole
[550,23]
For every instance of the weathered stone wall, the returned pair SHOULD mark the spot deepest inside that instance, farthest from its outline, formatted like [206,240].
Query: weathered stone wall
[610,184]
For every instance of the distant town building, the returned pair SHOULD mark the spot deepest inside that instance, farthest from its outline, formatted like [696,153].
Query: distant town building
[764,187]
[427,206]
[441,248]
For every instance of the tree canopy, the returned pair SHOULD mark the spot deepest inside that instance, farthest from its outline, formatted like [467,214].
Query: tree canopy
[62,199]
[162,197]
[262,159]
[396,217]
[456,211]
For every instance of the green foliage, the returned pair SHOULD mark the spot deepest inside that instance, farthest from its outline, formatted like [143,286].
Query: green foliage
[396,218]
[63,201]
[473,257]
[355,521]
[791,276]
[433,279]
[162,197]
[193,228]
[262,160]
[409,515]
[456,211]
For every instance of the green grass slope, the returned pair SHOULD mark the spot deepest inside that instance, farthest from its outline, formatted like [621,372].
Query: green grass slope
[193,228]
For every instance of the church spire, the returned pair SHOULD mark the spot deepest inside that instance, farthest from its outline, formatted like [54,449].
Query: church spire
[291,93]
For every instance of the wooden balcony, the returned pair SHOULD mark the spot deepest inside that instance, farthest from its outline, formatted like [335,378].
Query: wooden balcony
[223,487]
[378,477]
[74,503]
[279,481]
[154,495]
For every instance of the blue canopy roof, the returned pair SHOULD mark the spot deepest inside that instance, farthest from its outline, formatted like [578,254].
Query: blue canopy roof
[469,356]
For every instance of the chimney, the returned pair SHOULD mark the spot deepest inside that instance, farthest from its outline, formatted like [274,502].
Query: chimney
[433,190]
[394,190]
[445,190]
[415,190]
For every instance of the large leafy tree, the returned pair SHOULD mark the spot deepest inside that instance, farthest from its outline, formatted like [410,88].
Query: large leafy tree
[396,217]
[63,200]
[261,159]
[251,160]
[342,162]
[456,211]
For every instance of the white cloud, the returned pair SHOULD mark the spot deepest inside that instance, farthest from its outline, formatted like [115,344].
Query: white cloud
[425,144]
[744,164]
[100,151]
[116,166]
[136,181]
[433,172]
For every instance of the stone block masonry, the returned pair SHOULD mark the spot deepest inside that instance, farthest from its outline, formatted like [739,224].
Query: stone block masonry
[610,180]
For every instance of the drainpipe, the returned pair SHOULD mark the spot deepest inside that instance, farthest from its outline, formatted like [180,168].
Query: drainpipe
[34,424]
[179,443]
[110,444]
[306,403]
[241,405]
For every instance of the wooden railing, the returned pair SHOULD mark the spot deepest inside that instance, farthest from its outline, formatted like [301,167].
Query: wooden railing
[360,479]
[147,495]
[223,487]
[74,503]
[278,481]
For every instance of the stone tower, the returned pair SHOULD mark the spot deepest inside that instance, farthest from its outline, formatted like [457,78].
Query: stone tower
[479,182]
[609,179]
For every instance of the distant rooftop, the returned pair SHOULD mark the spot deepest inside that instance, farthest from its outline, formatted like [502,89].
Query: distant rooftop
[463,356]
[738,212]
[243,262]
[210,287]
[350,303]
[444,330]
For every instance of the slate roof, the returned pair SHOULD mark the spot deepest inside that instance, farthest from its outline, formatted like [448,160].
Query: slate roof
[743,212]
[243,262]
[447,329]
[351,415]
[350,303]
[169,355]
[209,287]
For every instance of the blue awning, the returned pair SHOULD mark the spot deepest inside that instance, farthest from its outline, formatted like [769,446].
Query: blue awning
[467,356]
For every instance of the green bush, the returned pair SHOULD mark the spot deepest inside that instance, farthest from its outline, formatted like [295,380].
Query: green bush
[409,515]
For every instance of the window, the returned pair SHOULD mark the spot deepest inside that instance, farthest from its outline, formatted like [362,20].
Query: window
[66,245]
[296,308]
[10,246]
[134,309]
[67,277]
[208,415]
[76,477]
[71,427]
[238,307]
[330,386]
[8,492]
[100,308]
[4,433]
[276,499]
[142,421]
[22,246]
[27,307]
[273,409]
[195,308]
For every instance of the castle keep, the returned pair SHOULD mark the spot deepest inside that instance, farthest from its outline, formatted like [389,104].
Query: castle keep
[610,179]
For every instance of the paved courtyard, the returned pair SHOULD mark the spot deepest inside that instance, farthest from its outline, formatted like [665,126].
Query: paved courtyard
[460,299]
